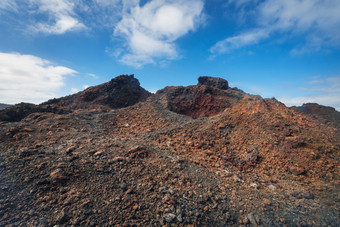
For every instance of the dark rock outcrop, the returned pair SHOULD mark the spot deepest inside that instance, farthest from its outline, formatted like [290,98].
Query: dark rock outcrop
[19,111]
[122,91]
[213,82]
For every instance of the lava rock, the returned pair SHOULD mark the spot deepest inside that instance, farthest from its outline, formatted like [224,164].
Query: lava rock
[20,111]
[213,82]
[169,217]
[121,91]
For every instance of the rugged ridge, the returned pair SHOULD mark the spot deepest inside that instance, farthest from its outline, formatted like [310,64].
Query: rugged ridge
[19,111]
[202,155]
[122,91]
[324,114]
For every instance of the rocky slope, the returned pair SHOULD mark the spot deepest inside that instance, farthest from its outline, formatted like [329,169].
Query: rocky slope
[203,155]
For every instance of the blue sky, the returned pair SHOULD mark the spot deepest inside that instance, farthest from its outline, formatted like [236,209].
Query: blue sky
[285,49]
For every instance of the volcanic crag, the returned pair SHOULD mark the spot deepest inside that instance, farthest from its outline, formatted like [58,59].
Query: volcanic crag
[325,114]
[202,155]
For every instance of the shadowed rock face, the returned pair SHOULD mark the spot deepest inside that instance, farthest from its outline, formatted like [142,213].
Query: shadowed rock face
[122,91]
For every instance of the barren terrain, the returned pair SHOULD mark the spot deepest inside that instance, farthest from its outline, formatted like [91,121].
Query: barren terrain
[203,155]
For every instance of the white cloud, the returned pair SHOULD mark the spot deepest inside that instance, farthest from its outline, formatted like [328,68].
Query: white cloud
[27,78]
[315,21]
[326,92]
[61,17]
[149,31]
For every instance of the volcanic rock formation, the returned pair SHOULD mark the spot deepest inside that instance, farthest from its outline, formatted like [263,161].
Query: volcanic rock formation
[218,83]
[324,114]
[203,155]
[211,96]
[19,111]
[122,91]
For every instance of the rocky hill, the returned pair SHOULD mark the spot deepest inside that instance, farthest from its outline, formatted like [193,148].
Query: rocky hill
[122,91]
[202,155]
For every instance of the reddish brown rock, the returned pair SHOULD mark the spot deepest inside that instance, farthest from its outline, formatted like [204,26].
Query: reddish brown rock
[209,98]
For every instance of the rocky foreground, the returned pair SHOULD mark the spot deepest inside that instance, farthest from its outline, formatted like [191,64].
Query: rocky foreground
[202,155]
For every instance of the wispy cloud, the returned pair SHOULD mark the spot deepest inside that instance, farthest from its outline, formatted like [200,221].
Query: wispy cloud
[99,13]
[316,22]
[27,78]
[325,91]
[44,16]
[61,16]
[150,31]
[8,5]
[94,76]
[244,39]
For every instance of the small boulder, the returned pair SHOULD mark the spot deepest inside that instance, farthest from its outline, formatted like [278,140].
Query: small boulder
[169,217]
[61,217]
